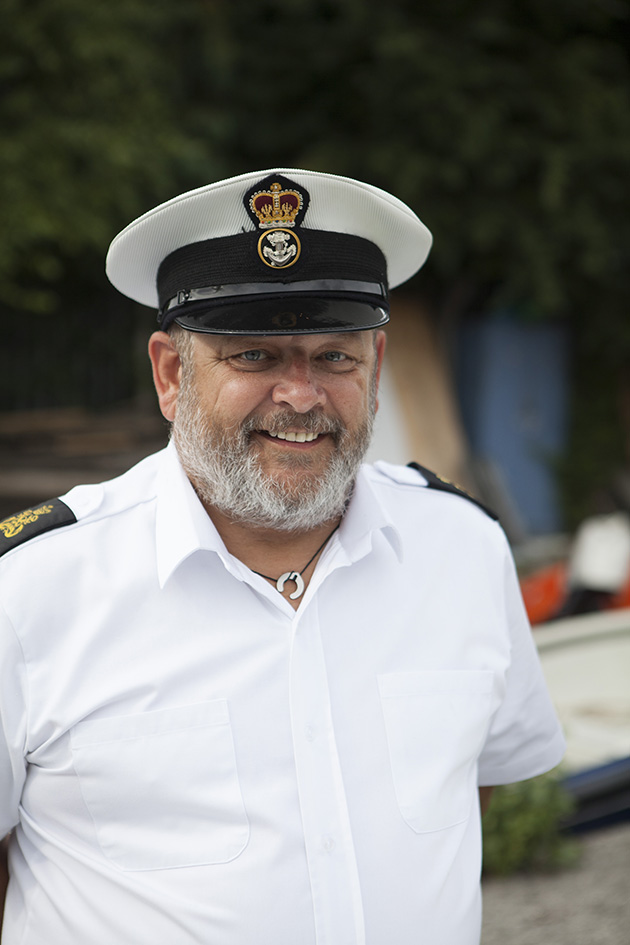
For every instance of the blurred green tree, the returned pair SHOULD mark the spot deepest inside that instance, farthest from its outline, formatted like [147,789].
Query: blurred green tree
[89,107]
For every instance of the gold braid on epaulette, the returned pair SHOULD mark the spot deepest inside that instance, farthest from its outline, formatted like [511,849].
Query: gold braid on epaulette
[29,523]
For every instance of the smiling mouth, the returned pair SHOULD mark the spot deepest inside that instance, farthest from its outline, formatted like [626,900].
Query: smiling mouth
[299,430]
[300,437]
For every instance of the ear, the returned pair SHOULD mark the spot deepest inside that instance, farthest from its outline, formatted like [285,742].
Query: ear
[166,372]
[379,343]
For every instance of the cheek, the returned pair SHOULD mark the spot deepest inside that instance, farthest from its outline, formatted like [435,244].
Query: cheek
[352,401]
[236,399]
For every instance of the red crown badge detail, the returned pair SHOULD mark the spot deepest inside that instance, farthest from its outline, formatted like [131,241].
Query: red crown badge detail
[276,207]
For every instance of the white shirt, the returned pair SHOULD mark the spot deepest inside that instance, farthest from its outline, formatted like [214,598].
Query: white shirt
[189,760]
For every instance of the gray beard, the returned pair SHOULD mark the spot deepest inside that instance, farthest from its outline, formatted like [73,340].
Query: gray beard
[225,471]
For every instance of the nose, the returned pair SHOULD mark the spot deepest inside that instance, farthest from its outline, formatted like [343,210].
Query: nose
[298,387]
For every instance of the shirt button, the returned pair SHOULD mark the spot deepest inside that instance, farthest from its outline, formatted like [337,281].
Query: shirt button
[309,733]
[328,844]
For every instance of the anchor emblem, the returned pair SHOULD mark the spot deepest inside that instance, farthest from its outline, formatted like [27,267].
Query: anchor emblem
[279,248]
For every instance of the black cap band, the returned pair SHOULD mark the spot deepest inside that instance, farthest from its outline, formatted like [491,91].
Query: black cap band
[218,281]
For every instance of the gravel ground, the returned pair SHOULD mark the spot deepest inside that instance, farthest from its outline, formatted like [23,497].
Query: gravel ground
[586,905]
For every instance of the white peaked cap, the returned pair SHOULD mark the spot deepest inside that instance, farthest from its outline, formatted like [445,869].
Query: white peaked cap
[337,204]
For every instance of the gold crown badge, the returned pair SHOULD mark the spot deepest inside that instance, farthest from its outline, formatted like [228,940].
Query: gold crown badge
[276,207]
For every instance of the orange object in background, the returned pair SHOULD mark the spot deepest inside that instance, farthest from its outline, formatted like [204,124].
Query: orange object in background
[622,597]
[544,591]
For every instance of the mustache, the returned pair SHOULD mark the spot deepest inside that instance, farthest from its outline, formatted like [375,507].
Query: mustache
[280,421]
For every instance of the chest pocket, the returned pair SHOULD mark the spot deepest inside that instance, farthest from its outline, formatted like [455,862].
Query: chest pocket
[436,725]
[162,787]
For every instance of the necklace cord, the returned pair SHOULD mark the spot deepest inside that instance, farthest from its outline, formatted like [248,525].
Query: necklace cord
[310,560]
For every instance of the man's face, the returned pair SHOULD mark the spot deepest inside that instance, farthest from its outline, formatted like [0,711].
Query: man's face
[272,429]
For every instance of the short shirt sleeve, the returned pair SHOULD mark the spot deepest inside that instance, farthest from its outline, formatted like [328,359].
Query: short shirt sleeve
[12,725]
[525,738]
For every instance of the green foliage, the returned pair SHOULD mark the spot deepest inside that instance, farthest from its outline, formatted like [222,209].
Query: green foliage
[89,133]
[522,828]
[505,125]
[599,443]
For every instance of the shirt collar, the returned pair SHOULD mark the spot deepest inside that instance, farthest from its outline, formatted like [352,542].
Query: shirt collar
[183,526]
[365,515]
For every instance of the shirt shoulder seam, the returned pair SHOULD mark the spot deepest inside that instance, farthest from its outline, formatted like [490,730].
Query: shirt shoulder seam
[91,518]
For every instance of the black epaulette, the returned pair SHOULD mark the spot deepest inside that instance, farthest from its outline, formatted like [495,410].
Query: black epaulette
[434,482]
[31,522]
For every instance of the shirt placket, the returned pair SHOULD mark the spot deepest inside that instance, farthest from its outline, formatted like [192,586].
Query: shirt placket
[337,905]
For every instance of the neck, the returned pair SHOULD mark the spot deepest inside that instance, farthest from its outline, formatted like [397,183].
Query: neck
[243,540]
[272,551]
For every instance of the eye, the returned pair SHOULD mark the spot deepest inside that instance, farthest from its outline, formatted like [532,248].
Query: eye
[252,359]
[254,355]
[337,361]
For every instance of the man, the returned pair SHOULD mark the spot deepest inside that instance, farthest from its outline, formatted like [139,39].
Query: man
[249,689]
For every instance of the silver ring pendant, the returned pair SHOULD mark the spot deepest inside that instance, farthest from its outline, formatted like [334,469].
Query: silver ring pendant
[297,580]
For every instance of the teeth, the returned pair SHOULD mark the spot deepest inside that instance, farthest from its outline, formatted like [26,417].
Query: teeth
[301,437]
